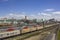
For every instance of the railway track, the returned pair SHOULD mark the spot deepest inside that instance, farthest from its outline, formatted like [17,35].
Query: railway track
[32,33]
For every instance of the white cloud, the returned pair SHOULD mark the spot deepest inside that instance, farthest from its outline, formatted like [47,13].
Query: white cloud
[50,13]
[56,12]
[11,14]
[16,16]
[40,15]
[44,14]
[49,10]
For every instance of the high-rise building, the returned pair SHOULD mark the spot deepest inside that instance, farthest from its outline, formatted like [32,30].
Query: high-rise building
[25,17]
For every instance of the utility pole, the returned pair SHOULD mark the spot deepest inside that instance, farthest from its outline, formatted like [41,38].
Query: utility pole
[43,23]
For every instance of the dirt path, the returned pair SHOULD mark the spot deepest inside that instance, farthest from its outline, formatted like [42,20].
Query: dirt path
[34,37]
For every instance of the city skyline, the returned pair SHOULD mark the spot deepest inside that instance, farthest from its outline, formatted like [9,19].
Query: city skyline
[33,8]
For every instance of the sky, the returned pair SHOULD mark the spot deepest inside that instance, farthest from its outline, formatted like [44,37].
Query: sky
[32,8]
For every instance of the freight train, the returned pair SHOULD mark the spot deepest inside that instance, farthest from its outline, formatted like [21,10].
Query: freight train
[12,31]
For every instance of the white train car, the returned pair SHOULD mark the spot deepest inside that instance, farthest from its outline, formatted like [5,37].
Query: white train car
[9,33]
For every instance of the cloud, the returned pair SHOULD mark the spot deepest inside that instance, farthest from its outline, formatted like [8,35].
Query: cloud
[32,16]
[45,15]
[56,12]
[14,15]
[11,14]
[49,10]
[50,13]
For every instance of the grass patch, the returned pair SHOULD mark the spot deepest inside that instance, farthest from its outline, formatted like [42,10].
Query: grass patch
[58,38]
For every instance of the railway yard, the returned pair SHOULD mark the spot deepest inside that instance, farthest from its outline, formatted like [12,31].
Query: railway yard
[29,19]
[30,35]
[27,30]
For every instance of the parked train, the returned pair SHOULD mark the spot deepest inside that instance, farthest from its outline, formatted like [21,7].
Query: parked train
[9,33]
[15,31]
